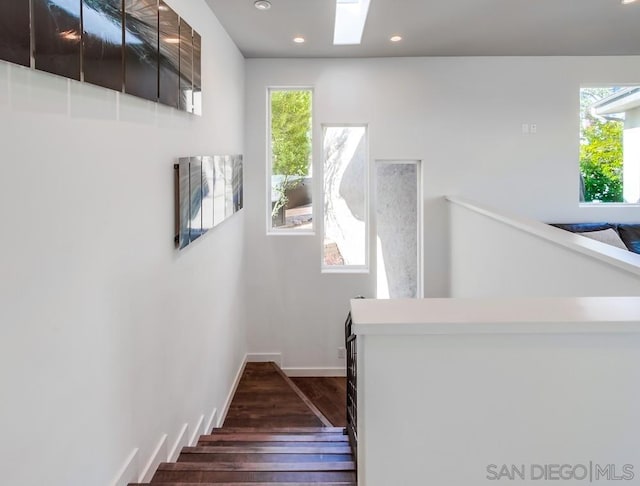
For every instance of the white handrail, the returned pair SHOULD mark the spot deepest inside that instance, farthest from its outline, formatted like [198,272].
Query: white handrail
[625,260]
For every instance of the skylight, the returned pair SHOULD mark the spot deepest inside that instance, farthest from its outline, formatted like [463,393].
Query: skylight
[351,15]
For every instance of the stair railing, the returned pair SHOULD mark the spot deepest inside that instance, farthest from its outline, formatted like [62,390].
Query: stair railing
[352,386]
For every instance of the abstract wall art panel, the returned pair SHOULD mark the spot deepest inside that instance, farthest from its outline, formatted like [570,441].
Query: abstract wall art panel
[195,188]
[182,199]
[169,56]
[208,191]
[208,177]
[228,186]
[238,188]
[57,36]
[15,36]
[219,190]
[197,73]
[102,43]
[186,67]
[141,48]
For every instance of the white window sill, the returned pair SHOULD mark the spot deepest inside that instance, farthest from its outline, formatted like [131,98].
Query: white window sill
[608,205]
[345,269]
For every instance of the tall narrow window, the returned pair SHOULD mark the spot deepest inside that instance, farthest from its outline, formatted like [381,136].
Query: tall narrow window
[398,229]
[345,198]
[290,185]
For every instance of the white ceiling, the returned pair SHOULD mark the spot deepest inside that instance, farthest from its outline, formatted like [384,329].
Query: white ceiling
[438,28]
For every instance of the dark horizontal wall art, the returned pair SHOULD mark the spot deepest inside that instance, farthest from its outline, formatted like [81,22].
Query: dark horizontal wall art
[209,189]
[15,38]
[139,47]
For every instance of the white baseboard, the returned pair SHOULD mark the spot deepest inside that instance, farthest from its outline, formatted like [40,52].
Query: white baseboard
[159,455]
[265,358]
[232,392]
[181,442]
[308,372]
[198,430]
[129,472]
[210,423]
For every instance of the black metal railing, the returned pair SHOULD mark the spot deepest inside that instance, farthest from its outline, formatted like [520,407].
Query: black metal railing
[352,386]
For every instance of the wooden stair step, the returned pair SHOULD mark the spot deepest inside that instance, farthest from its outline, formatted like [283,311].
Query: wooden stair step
[255,472]
[267,437]
[269,444]
[259,443]
[216,456]
[272,449]
[258,466]
[279,430]
[341,483]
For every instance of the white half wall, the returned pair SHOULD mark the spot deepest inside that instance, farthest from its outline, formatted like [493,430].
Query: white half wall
[454,404]
[462,117]
[110,338]
[448,387]
[494,254]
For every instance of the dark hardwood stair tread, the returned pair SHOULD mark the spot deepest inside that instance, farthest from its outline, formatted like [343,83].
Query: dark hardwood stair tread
[266,437]
[253,476]
[278,430]
[270,443]
[273,449]
[342,483]
[216,457]
[259,466]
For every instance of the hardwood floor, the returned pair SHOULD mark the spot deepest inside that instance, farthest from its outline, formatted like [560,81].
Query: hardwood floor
[264,399]
[273,435]
[329,395]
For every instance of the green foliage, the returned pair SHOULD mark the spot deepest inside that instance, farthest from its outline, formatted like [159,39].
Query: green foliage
[601,160]
[291,132]
[601,152]
[290,140]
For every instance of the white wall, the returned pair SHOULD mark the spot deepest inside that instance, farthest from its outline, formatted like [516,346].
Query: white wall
[453,404]
[109,338]
[447,387]
[463,118]
[499,255]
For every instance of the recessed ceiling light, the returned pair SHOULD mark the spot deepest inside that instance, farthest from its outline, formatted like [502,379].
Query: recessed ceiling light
[299,40]
[626,2]
[395,38]
[262,4]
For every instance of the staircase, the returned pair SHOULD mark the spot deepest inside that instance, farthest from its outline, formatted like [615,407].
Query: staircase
[288,455]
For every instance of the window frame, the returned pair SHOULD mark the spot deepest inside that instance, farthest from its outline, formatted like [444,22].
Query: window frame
[348,269]
[600,204]
[420,244]
[275,231]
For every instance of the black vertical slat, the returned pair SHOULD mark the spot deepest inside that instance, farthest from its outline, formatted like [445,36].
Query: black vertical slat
[352,387]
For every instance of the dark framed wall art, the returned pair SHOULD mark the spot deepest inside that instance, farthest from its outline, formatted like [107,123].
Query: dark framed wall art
[209,190]
[139,47]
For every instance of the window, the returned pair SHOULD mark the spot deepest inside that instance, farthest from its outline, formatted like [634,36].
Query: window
[290,168]
[610,144]
[398,216]
[345,198]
